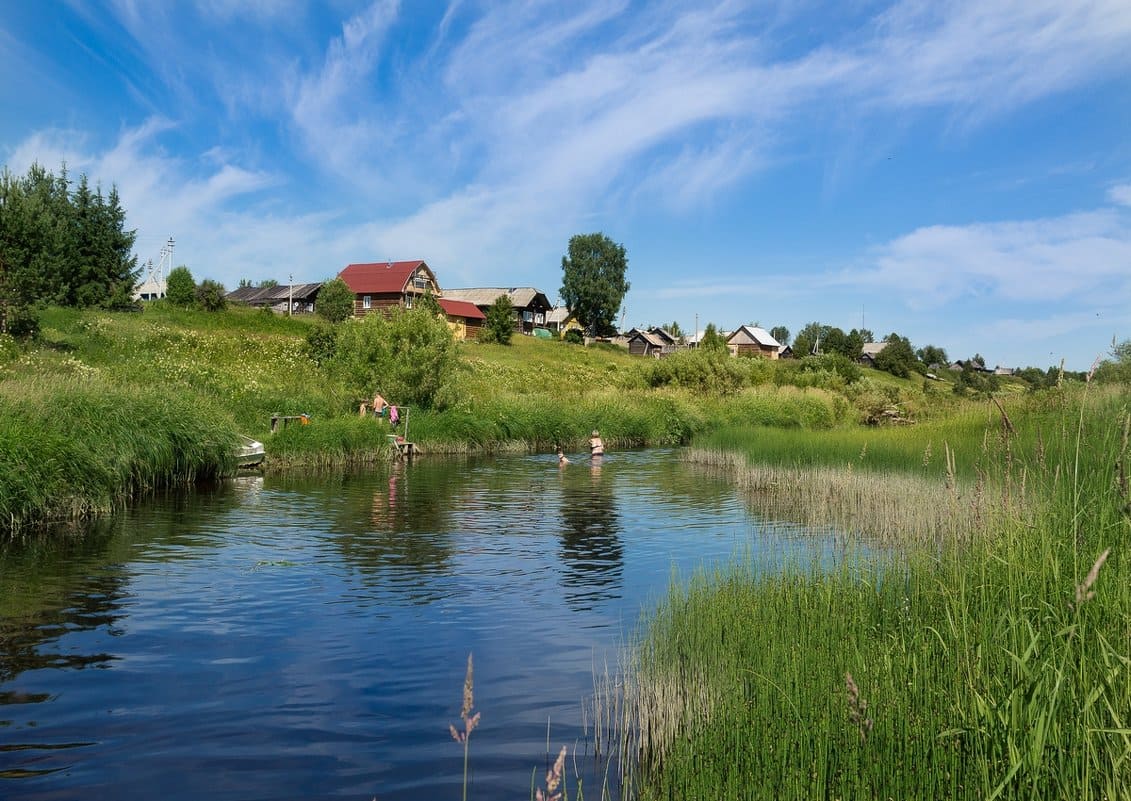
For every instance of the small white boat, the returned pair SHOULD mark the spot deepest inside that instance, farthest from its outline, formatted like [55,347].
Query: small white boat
[250,453]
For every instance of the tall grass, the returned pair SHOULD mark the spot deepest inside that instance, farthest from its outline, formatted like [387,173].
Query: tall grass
[994,667]
[71,448]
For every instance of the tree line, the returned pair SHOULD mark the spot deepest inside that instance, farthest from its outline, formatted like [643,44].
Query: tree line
[61,244]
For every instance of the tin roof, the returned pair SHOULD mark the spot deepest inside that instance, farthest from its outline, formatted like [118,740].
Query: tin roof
[382,277]
[461,308]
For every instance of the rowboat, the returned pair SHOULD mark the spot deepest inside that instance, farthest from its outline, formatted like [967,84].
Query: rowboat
[250,452]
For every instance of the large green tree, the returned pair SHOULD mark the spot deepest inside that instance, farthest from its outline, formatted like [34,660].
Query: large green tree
[61,246]
[335,301]
[897,357]
[781,334]
[593,281]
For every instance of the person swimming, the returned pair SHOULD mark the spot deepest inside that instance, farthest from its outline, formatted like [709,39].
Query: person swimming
[562,460]
[596,445]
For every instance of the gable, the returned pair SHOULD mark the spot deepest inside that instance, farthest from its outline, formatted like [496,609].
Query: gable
[387,277]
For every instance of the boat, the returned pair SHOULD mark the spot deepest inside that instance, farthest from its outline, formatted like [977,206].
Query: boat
[250,453]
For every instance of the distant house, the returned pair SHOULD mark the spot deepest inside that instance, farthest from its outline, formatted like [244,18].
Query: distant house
[786,352]
[644,343]
[385,285]
[298,298]
[530,305]
[869,351]
[465,319]
[1006,371]
[662,334]
[749,340]
[561,319]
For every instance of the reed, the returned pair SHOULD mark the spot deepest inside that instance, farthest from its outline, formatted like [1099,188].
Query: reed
[74,447]
[990,665]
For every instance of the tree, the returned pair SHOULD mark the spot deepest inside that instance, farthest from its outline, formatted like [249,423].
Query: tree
[781,334]
[897,357]
[335,301]
[593,281]
[809,340]
[211,295]
[712,341]
[180,288]
[932,354]
[1118,367]
[500,321]
[268,283]
[674,329]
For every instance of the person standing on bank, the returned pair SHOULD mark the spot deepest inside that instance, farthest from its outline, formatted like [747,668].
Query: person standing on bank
[596,446]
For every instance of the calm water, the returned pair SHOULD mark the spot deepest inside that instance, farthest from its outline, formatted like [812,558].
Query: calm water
[307,638]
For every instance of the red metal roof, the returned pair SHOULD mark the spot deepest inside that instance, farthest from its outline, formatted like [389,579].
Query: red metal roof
[461,308]
[381,276]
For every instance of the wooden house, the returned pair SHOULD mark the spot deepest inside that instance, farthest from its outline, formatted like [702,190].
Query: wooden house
[385,285]
[561,319]
[644,343]
[530,305]
[750,340]
[869,351]
[297,298]
[465,319]
[662,334]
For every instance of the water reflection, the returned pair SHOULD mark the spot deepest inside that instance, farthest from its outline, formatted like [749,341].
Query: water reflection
[591,551]
[306,636]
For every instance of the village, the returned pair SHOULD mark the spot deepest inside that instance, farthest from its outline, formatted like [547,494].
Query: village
[380,286]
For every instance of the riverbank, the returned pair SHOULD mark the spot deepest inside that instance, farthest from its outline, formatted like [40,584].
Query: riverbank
[987,663]
[104,406]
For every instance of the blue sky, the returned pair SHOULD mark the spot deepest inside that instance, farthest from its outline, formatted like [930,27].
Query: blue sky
[958,172]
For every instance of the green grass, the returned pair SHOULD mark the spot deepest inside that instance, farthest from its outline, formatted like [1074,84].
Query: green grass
[986,668]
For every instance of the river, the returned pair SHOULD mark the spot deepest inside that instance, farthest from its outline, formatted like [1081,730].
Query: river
[307,637]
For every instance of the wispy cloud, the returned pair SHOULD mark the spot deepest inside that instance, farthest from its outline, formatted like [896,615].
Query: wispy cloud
[1080,256]
[1120,194]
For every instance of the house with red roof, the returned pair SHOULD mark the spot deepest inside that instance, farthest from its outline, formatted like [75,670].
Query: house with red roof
[387,284]
[464,318]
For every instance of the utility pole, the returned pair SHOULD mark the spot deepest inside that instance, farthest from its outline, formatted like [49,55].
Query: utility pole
[291,296]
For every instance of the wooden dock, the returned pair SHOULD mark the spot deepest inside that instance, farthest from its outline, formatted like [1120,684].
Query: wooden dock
[404,449]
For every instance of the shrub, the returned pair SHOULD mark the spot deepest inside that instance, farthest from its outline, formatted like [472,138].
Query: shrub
[210,296]
[699,370]
[410,356]
[335,301]
[500,322]
[574,337]
[180,287]
[321,343]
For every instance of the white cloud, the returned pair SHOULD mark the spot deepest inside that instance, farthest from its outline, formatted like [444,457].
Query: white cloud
[1120,194]
[1077,256]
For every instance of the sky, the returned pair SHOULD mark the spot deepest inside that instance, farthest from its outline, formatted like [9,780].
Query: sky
[955,172]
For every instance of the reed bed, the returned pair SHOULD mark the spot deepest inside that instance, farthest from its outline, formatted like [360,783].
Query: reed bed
[72,448]
[992,665]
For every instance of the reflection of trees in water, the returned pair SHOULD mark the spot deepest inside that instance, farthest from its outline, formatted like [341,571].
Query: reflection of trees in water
[591,550]
[54,587]
[395,519]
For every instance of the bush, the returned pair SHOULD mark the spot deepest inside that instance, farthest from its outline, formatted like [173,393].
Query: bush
[409,356]
[699,370]
[500,322]
[180,288]
[211,296]
[335,301]
[574,337]
[322,344]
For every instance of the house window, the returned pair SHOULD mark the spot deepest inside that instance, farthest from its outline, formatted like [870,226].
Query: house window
[367,302]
